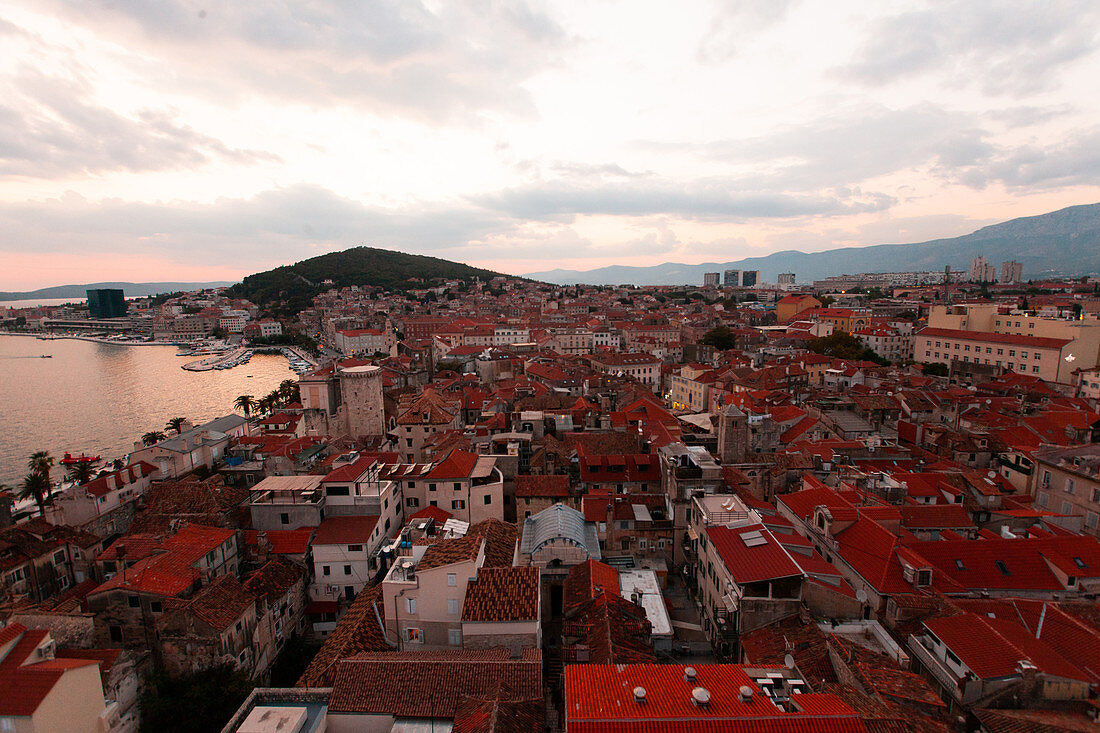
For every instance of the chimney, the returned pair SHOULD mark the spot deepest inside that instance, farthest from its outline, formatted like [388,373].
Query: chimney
[639,695]
[689,674]
[701,696]
[745,694]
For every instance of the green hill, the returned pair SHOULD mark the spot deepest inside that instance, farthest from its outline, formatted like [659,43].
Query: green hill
[289,289]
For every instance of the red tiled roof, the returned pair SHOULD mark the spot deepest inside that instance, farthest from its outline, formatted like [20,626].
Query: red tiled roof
[172,571]
[432,512]
[1036,342]
[588,580]
[751,564]
[353,530]
[555,486]
[431,684]
[601,698]
[502,595]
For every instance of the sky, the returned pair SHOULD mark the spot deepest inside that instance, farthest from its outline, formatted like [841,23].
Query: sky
[206,140]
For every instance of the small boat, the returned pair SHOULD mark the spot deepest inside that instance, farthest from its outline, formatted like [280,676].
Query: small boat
[47,356]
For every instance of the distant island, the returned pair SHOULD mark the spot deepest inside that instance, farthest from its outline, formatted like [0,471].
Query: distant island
[1061,243]
[130,290]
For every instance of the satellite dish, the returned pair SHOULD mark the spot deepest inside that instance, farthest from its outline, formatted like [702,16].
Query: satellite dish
[861,595]
[788,661]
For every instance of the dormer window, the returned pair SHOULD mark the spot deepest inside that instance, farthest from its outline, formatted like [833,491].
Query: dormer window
[924,578]
[959,564]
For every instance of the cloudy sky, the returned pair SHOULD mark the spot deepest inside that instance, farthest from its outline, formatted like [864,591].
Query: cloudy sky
[207,139]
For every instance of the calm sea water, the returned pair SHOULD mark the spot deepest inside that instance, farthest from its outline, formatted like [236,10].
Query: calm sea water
[100,398]
[37,302]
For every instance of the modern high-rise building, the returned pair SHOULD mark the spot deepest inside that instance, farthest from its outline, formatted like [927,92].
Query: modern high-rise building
[749,278]
[981,271]
[732,278]
[106,303]
[786,278]
[710,279]
[1012,272]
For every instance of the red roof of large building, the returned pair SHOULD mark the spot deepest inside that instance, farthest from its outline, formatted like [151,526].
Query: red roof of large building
[1035,342]
[601,697]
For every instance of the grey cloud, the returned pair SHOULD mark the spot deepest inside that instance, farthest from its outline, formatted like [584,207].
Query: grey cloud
[49,127]
[270,227]
[1073,161]
[705,199]
[736,23]
[1010,48]
[393,56]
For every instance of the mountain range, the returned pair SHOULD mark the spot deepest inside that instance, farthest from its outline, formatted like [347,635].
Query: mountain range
[1064,242]
[130,290]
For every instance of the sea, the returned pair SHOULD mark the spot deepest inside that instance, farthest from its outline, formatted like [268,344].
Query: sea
[99,398]
[4,304]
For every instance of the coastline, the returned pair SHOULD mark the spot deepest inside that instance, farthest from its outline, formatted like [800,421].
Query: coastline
[92,339]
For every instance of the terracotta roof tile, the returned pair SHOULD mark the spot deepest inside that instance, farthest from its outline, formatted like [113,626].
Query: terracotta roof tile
[502,594]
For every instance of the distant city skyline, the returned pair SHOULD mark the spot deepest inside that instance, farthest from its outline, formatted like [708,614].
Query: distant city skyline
[186,141]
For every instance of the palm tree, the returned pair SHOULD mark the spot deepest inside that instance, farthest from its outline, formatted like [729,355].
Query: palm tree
[274,399]
[41,462]
[175,424]
[82,472]
[36,485]
[246,403]
[288,390]
[265,405]
[118,464]
[153,437]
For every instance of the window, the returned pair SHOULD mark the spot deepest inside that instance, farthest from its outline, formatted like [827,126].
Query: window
[116,634]
[1044,499]
[412,501]
[452,606]
[412,636]
[326,570]
[133,601]
[347,570]
[1092,520]
[156,607]
[1067,508]
[338,491]
[454,637]
[59,557]
[1071,486]
[458,486]
[452,579]
[431,487]
[458,504]
[355,548]
[410,605]
[1096,496]
[284,518]
[1046,478]
[487,499]
[1002,567]
[959,564]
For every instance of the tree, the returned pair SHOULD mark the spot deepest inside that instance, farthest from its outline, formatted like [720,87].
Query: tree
[41,462]
[719,337]
[844,345]
[175,424]
[197,701]
[82,472]
[246,403]
[289,392]
[939,369]
[36,485]
[153,437]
